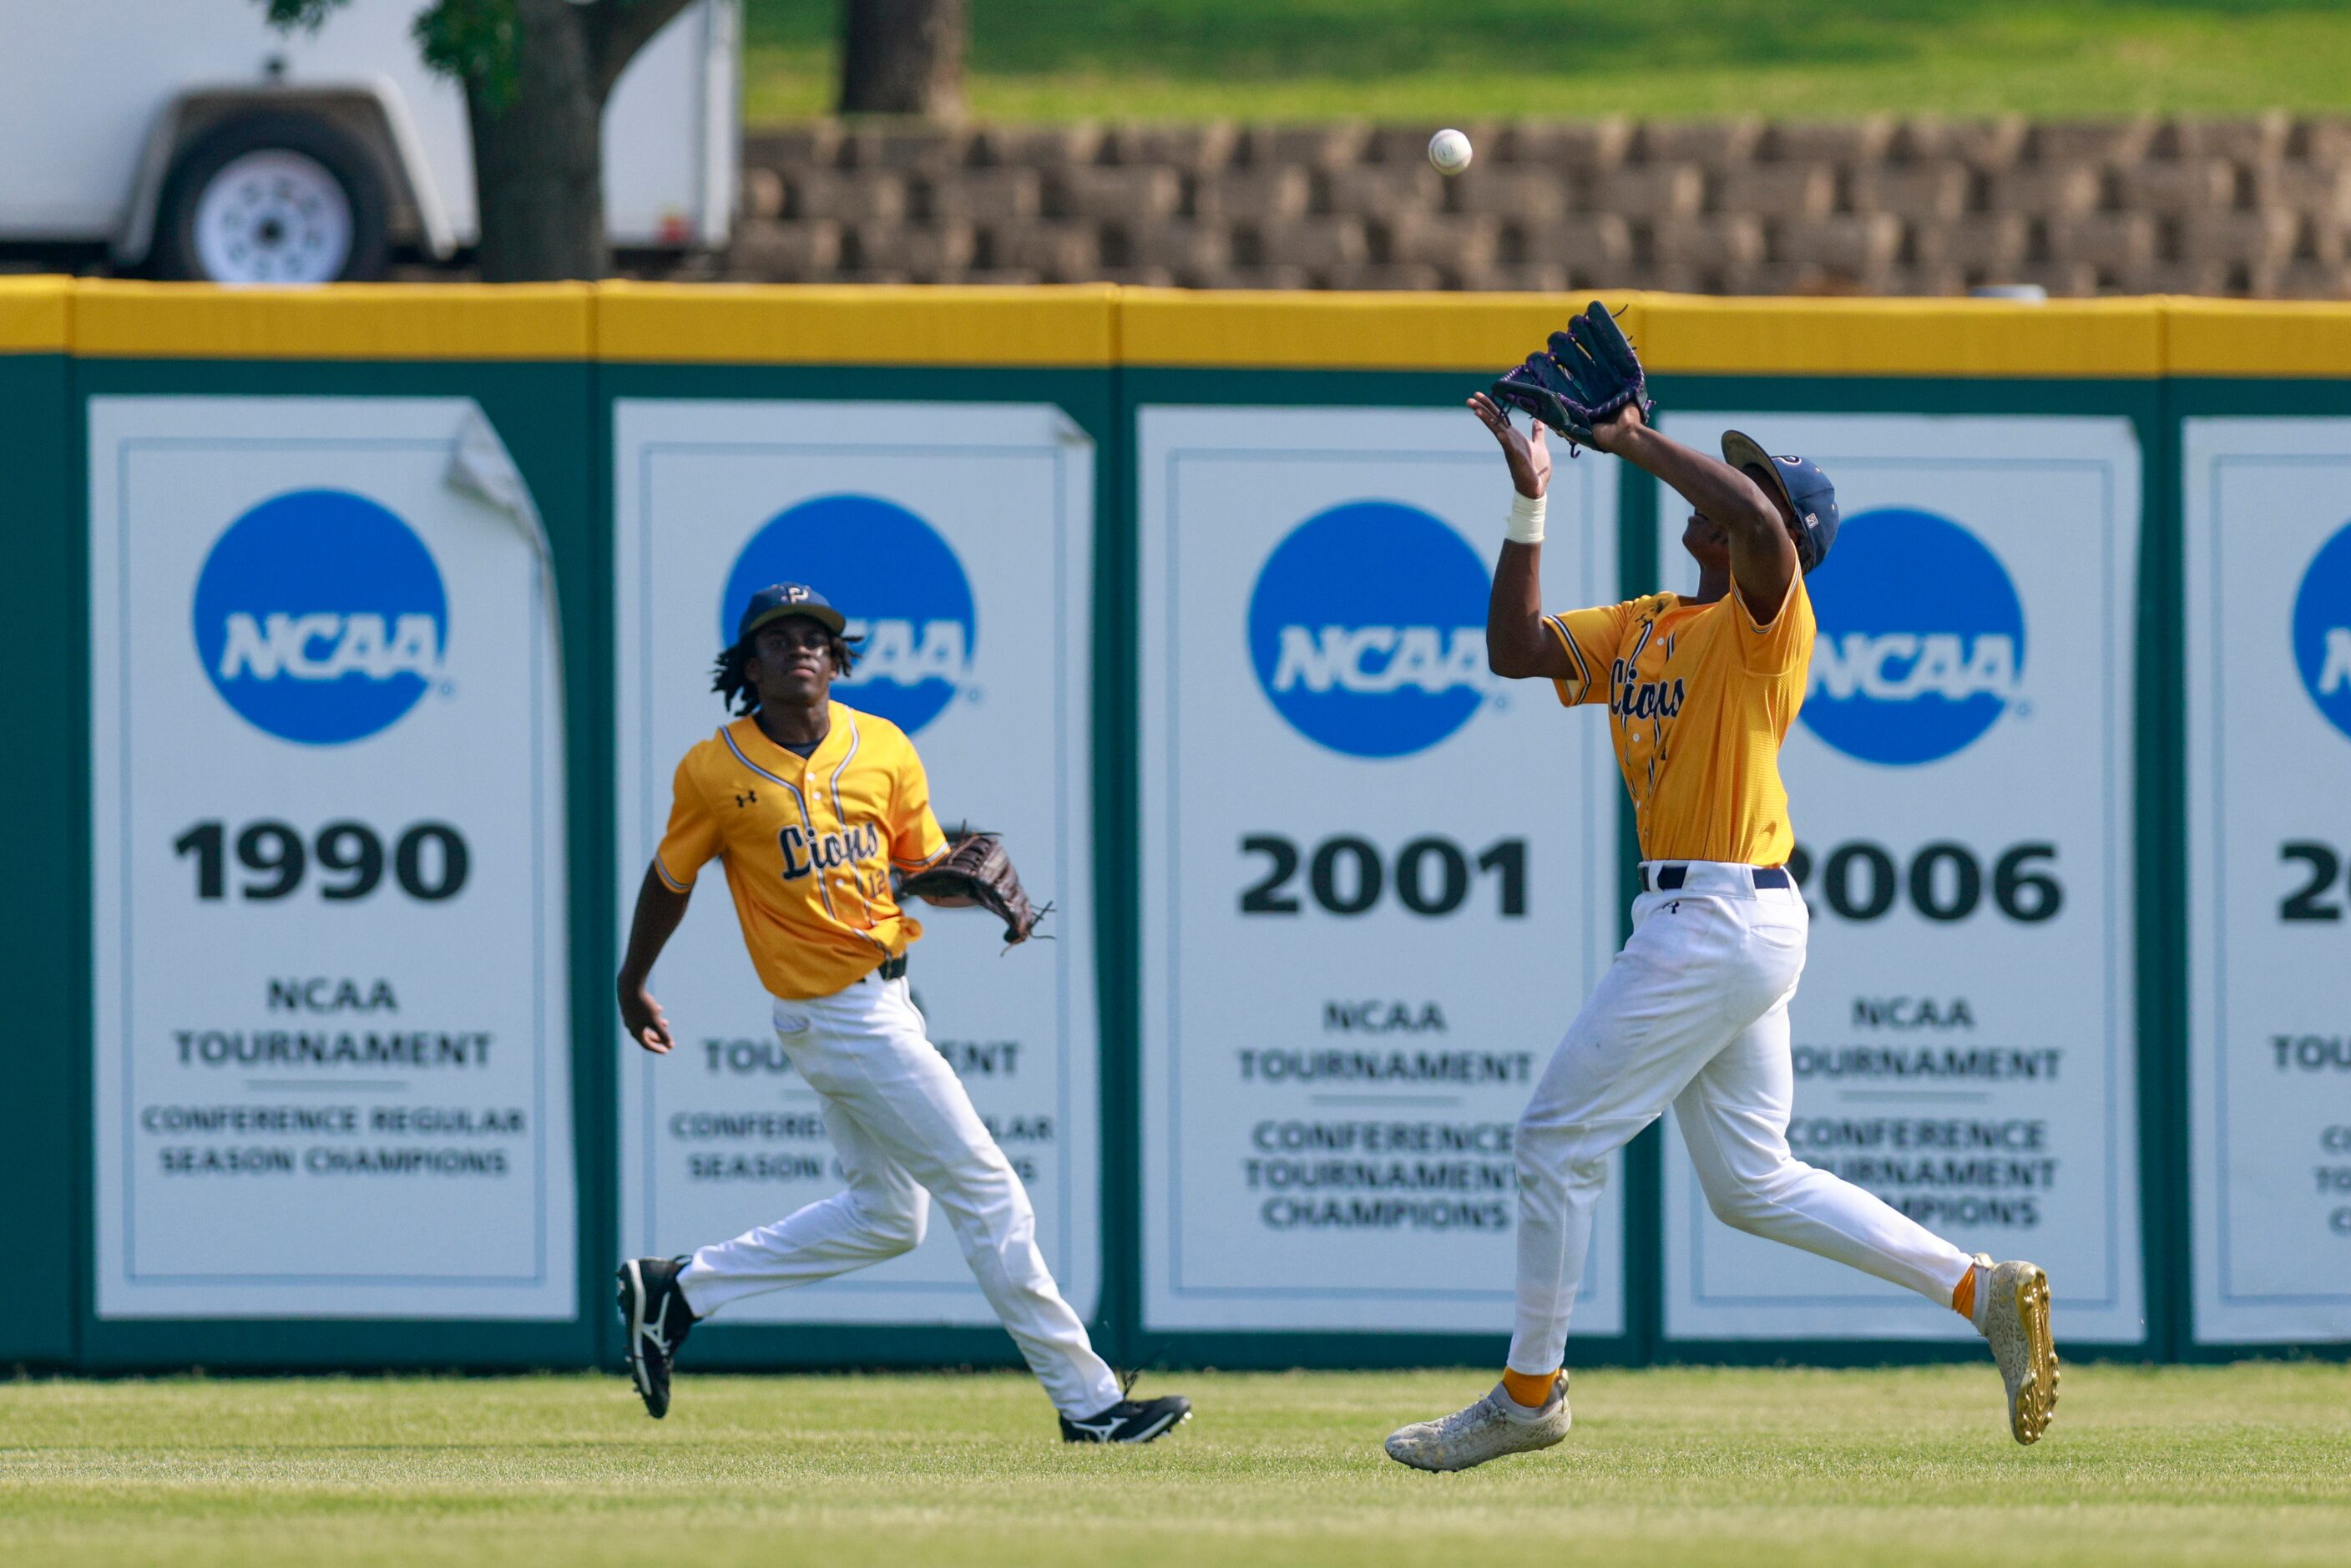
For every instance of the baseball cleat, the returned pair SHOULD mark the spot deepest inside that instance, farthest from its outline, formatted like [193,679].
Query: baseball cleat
[654,1314]
[1129,1421]
[2012,1313]
[1495,1426]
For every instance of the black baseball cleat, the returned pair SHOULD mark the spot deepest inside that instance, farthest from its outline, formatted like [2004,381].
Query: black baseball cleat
[654,1314]
[1130,1421]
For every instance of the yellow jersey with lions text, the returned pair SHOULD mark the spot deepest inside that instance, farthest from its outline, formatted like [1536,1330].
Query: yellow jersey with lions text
[809,844]
[1700,697]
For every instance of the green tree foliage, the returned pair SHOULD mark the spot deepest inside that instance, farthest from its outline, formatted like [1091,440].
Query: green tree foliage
[470,41]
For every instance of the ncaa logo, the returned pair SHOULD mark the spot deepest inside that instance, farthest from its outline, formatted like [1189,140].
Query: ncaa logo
[1367,629]
[893,579]
[321,617]
[1921,644]
[2321,629]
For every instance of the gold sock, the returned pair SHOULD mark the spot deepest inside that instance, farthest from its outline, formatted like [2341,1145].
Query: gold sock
[1963,1295]
[1530,1389]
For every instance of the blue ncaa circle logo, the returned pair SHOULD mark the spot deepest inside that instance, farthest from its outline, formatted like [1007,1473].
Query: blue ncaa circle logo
[2321,629]
[894,579]
[1367,629]
[1921,644]
[321,617]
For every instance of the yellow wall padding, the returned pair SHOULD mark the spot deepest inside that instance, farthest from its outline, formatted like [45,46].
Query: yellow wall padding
[2257,338]
[2098,338]
[944,325]
[1489,332]
[1098,325]
[35,314]
[349,321]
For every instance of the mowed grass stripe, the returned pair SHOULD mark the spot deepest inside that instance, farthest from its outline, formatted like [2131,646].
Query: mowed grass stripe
[1434,60]
[1746,1467]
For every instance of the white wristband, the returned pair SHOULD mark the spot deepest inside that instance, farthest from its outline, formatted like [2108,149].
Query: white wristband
[1526,520]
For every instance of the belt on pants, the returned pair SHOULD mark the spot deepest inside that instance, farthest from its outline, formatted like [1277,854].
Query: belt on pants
[891,969]
[1670,878]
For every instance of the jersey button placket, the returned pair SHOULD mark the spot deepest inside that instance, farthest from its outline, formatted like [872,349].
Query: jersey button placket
[812,801]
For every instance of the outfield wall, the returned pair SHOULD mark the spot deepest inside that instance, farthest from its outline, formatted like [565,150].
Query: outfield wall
[321,1069]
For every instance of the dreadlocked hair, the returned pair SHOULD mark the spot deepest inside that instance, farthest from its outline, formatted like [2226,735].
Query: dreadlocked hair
[730,675]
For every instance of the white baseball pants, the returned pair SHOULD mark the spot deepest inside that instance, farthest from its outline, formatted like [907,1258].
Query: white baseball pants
[906,1133]
[1694,1014]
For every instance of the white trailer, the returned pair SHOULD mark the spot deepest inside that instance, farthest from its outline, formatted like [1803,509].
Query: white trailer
[195,140]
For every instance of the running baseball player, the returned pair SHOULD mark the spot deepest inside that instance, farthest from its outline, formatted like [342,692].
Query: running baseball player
[812,806]
[1700,690]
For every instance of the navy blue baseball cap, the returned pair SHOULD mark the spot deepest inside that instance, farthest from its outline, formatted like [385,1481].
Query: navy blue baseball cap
[1801,485]
[779,599]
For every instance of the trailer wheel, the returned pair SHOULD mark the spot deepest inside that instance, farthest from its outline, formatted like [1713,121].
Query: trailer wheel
[272,198]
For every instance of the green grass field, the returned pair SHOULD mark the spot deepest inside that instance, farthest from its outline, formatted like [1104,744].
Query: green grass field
[2247,1464]
[1417,60]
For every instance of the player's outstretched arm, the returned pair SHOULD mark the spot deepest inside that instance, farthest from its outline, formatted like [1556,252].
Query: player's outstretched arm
[1762,557]
[659,909]
[1516,644]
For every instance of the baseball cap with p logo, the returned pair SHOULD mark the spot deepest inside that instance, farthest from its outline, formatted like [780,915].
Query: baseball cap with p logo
[780,599]
[1801,484]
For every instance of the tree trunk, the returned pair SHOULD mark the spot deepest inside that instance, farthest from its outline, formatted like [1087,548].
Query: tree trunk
[538,166]
[902,56]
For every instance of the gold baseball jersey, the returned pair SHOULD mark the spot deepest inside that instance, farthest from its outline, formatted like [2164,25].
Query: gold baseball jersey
[1700,698]
[809,843]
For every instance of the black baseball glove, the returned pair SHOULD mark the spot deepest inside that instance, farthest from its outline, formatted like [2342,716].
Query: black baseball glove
[1589,372]
[976,870]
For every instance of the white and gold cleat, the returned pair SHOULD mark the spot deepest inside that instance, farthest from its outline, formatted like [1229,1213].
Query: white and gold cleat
[2013,1315]
[1495,1426]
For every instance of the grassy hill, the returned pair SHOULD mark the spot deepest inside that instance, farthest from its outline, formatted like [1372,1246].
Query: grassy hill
[1419,60]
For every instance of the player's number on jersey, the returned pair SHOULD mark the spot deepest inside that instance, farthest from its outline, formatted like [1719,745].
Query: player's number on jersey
[1349,875]
[1945,881]
[2314,900]
[429,861]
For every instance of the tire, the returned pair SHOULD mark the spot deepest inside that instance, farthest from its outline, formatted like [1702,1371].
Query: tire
[272,197]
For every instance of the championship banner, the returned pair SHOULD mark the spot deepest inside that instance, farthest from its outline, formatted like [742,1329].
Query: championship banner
[1377,881]
[957,541]
[2268,506]
[1960,778]
[332,1074]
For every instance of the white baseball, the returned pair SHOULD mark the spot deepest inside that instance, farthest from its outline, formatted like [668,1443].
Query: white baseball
[1449,150]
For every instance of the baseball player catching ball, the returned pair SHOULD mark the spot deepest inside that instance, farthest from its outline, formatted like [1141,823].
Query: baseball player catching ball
[811,807]
[1693,1013]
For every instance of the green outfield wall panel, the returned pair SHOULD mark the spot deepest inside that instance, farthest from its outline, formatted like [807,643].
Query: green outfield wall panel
[418,1174]
[1250,483]
[2263,1098]
[987,500]
[43,1121]
[1980,511]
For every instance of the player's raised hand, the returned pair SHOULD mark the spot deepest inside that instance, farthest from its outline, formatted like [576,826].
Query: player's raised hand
[1527,453]
[643,1018]
[1611,432]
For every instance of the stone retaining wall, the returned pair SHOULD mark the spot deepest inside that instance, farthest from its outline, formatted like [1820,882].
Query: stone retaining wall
[2258,207]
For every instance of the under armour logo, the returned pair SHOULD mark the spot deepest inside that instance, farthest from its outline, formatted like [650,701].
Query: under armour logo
[748,797]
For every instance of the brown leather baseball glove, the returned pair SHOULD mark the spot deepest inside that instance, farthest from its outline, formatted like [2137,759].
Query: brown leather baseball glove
[976,870]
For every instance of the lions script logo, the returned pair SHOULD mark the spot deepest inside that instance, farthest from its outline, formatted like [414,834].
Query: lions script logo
[896,579]
[321,617]
[1921,644]
[826,851]
[2321,629]
[1367,629]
